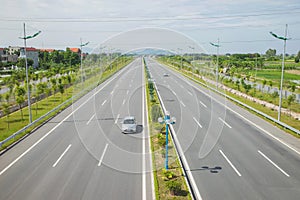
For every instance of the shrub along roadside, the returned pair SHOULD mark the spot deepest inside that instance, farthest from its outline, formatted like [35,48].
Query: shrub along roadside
[169,184]
[16,122]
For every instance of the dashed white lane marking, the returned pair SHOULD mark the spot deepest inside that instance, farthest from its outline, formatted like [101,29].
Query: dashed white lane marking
[123,102]
[190,93]
[90,119]
[112,92]
[230,163]
[225,122]
[268,159]
[116,121]
[102,156]
[203,104]
[103,102]
[62,155]
[127,92]
[197,122]
[174,93]
[182,103]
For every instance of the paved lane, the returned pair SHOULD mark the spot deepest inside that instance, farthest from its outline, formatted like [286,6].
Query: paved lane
[81,153]
[229,157]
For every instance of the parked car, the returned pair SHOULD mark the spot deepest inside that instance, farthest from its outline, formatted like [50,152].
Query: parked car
[129,125]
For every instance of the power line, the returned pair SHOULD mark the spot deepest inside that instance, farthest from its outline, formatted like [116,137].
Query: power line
[126,19]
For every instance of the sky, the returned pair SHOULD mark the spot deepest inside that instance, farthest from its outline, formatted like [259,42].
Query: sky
[242,26]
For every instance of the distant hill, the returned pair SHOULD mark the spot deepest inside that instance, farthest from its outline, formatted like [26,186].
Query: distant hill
[150,52]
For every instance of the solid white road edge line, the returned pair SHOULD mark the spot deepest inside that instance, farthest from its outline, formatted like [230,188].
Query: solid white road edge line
[149,142]
[144,197]
[197,122]
[233,167]
[90,119]
[42,138]
[268,159]
[224,122]
[102,156]
[62,155]
[116,121]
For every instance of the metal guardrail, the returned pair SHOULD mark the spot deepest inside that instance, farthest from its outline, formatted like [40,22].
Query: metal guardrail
[247,106]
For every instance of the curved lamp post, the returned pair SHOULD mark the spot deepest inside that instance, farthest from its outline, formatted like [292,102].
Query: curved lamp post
[167,120]
[282,67]
[217,72]
[82,45]
[26,68]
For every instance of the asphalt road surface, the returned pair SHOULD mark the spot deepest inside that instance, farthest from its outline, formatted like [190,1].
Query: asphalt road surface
[81,153]
[231,153]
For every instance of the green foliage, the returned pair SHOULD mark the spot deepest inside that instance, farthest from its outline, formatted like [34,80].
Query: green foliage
[168,174]
[155,112]
[161,139]
[174,186]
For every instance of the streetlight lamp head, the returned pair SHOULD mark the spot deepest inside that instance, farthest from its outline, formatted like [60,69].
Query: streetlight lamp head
[167,113]
[160,120]
[174,120]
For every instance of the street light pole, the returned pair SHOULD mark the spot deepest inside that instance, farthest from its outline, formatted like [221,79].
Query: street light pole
[217,72]
[167,120]
[26,69]
[81,45]
[193,56]
[282,67]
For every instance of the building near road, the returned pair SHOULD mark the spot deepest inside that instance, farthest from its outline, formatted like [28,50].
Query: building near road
[31,53]
[47,50]
[13,50]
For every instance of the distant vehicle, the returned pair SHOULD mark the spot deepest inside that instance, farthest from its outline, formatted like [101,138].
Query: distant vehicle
[166,74]
[129,125]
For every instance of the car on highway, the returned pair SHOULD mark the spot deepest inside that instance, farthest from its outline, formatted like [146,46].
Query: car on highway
[129,124]
[166,74]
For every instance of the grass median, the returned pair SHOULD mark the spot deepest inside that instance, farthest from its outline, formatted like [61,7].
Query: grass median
[169,184]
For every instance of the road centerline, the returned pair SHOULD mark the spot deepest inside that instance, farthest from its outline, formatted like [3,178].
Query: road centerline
[62,155]
[230,163]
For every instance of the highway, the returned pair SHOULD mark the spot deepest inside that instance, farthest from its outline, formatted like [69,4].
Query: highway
[231,153]
[81,153]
